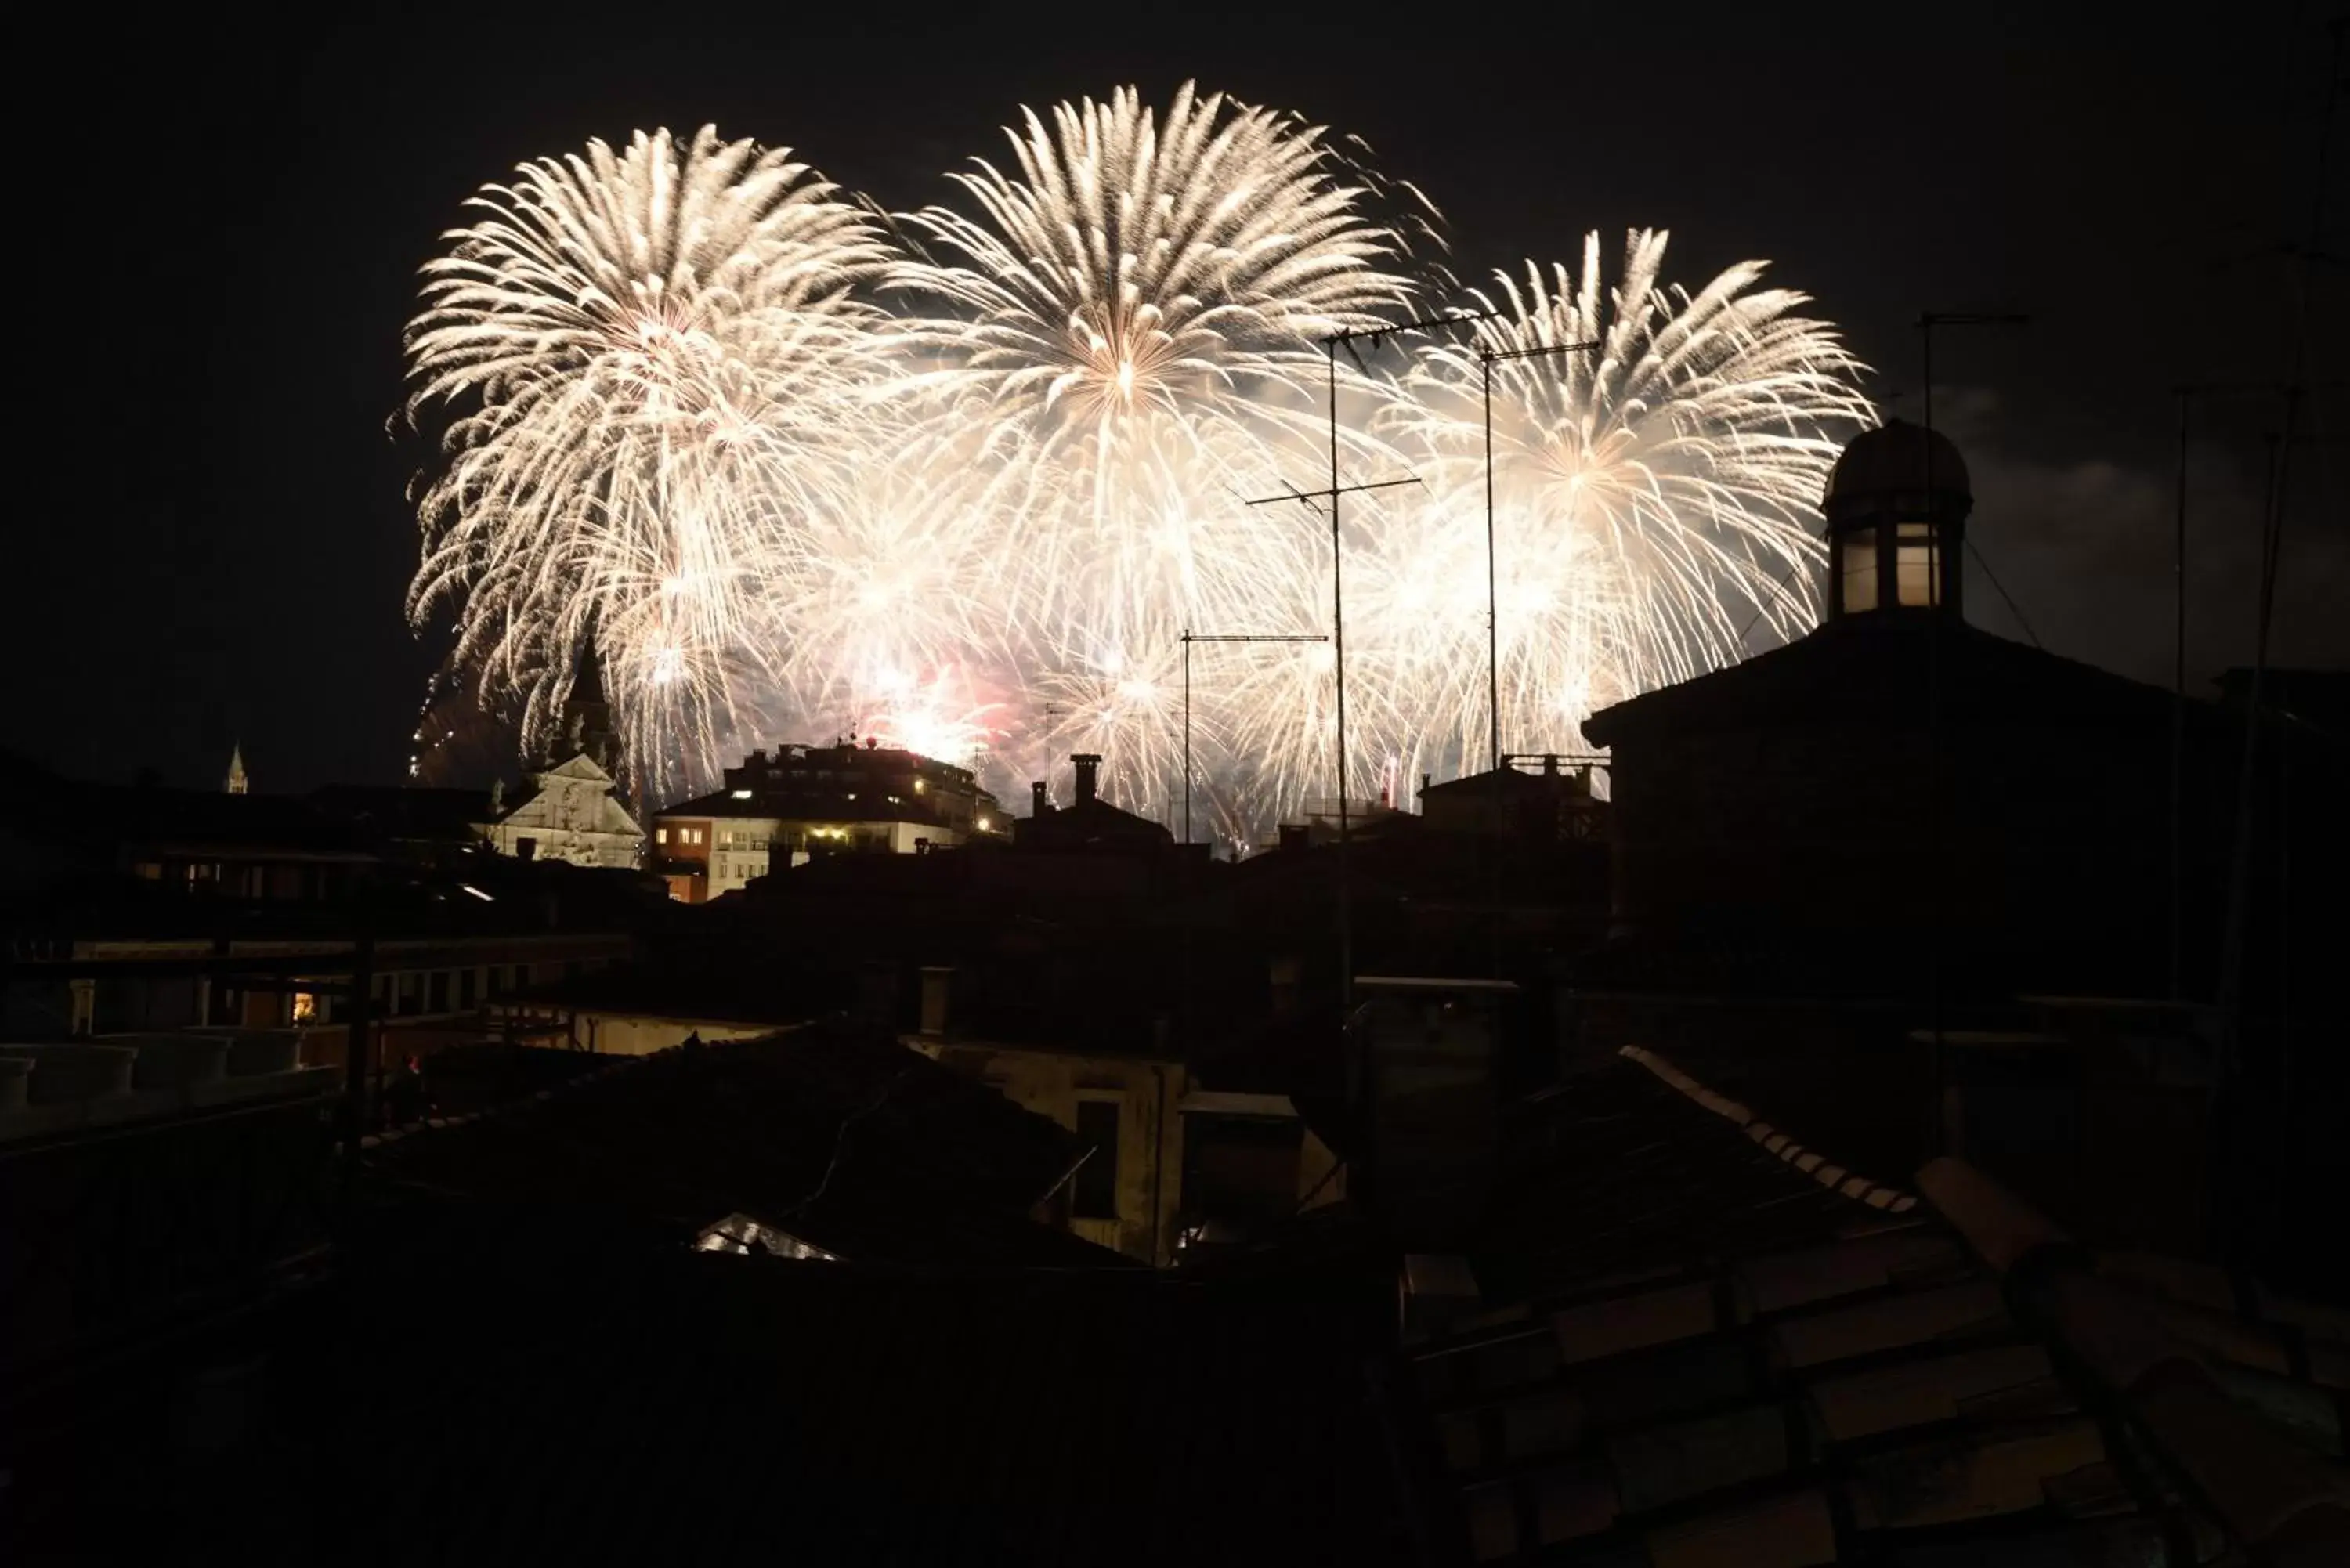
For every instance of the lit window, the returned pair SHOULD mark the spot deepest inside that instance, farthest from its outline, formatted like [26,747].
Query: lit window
[660,835]
[1913,565]
[1858,564]
[306,1008]
[920,787]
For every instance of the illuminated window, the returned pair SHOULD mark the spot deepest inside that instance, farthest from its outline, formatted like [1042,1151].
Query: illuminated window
[306,1008]
[1913,565]
[660,835]
[1858,564]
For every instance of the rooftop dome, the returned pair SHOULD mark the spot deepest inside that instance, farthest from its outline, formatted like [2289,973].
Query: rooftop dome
[1898,456]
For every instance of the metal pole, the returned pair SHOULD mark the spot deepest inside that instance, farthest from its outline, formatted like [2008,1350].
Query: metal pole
[355,1044]
[1493,592]
[1939,591]
[1937,870]
[1486,358]
[1338,650]
[2178,720]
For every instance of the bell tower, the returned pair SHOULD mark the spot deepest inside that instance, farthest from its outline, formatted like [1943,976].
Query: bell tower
[587,716]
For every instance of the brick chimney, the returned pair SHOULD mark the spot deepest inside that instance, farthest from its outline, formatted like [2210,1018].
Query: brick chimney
[1088,766]
[1039,802]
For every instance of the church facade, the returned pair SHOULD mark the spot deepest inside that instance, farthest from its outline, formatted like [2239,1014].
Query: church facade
[569,808]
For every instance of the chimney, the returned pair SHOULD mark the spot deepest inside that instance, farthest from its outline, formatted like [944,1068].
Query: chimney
[1088,766]
[1039,802]
[1550,766]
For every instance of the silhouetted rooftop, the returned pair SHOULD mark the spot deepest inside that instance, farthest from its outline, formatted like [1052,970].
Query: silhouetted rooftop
[1898,458]
[866,1150]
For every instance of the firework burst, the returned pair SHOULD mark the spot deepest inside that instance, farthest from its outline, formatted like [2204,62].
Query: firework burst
[647,359]
[1656,456]
[970,494]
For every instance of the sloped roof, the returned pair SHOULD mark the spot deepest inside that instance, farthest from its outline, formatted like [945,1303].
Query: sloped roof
[1510,780]
[1089,823]
[578,765]
[588,1405]
[1692,1340]
[195,821]
[808,805]
[406,812]
[1877,670]
[869,1151]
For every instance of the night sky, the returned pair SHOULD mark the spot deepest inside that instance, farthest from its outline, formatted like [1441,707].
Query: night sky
[220,245]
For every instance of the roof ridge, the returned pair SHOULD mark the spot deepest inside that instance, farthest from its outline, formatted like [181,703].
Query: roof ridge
[1818,1167]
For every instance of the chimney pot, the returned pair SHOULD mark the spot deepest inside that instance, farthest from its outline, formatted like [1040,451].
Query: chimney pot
[1039,802]
[1088,766]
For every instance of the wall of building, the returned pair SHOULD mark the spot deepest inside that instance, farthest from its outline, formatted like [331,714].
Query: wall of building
[2047,841]
[708,857]
[1150,1130]
[571,814]
[635,1035]
[426,995]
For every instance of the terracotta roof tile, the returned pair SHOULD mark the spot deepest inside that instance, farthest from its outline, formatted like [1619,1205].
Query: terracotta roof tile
[1842,1385]
[1793,1531]
[1966,1309]
[1914,1393]
[1970,1477]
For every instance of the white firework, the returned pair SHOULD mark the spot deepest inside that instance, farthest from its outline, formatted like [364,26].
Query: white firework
[1134,312]
[1657,460]
[647,359]
[983,525]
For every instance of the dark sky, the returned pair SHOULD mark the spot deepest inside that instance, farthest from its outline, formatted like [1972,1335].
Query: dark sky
[217,542]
